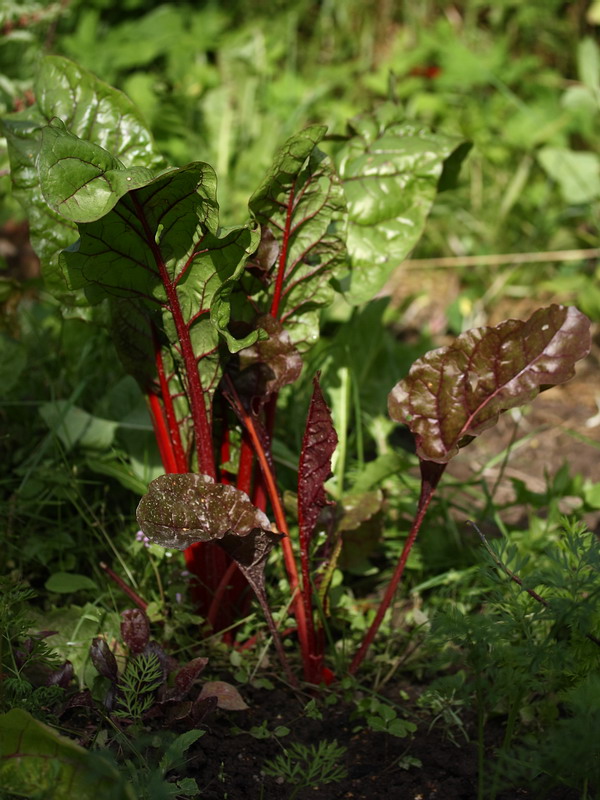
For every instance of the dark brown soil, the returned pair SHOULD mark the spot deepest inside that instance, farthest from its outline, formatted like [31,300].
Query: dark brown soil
[228,766]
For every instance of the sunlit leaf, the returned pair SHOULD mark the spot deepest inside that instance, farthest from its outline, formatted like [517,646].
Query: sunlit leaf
[390,171]
[454,393]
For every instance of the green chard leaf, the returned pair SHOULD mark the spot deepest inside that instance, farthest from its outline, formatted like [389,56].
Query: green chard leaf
[93,111]
[153,248]
[391,171]
[301,208]
[455,393]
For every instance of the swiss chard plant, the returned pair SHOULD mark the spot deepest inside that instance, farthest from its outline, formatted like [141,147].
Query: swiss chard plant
[214,322]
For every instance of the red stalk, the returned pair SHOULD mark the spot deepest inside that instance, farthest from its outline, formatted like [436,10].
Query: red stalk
[305,623]
[174,434]
[122,585]
[430,476]
[283,254]
[202,429]
[161,434]
[244,476]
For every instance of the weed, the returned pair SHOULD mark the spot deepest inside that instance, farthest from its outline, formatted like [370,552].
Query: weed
[305,766]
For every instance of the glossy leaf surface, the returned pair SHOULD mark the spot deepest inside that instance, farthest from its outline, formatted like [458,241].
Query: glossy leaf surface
[457,392]
[390,171]
[92,110]
[180,510]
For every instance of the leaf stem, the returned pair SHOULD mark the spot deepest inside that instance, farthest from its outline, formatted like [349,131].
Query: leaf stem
[173,427]
[431,473]
[202,429]
[283,253]
[305,624]
[122,585]
[161,434]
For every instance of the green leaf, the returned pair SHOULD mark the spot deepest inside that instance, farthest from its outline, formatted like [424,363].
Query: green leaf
[159,248]
[455,393]
[588,63]
[301,205]
[80,180]
[390,172]
[175,753]
[35,759]
[68,582]
[90,109]
[74,426]
[577,174]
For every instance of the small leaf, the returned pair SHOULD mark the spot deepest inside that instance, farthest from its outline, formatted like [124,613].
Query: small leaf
[103,659]
[13,359]
[75,426]
[175,752]
[454,393]
[269,364]
[135,629]
[577,174]
[68,582]
[227,695]
[186,676]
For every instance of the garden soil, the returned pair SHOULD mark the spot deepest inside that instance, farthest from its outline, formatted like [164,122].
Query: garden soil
[228,766]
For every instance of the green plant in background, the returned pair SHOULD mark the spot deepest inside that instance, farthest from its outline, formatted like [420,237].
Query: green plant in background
[304,766]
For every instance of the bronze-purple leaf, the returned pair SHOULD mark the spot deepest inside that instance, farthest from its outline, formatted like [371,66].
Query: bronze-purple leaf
[179,510]
[454,393]
[135,629]
[269,364]
[227,695]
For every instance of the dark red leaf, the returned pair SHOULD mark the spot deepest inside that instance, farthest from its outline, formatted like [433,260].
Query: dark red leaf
[454,393]
[186,676]
[318,445]
[135,629]
[103,659]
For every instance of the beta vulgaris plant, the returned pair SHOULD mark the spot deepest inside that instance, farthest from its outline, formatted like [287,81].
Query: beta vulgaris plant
[213,322]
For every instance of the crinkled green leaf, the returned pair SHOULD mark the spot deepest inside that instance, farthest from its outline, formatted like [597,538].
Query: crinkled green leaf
[159,248]
[36,759]
[90,109]
[80,180]
[301,203]
[454,393]
[390,172]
